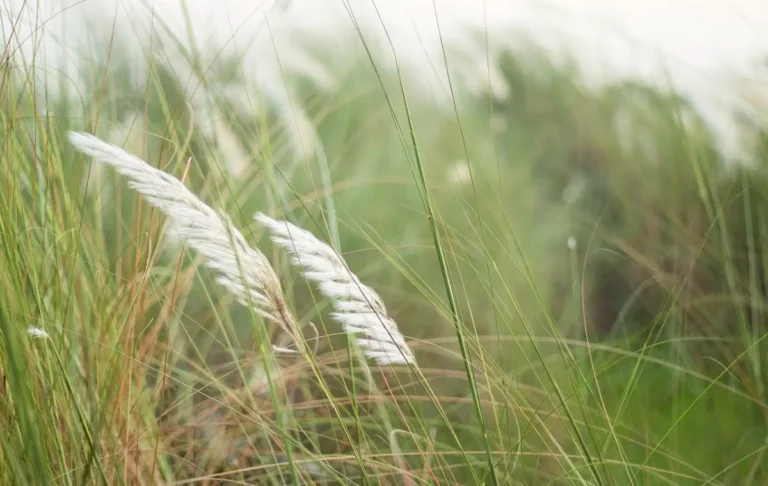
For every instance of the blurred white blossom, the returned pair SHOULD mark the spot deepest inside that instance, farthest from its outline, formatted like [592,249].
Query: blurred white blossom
[37,333]
[458,173]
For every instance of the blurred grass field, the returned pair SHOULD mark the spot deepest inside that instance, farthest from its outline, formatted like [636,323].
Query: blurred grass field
[609,272]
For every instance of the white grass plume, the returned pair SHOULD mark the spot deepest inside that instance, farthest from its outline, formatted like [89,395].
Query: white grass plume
[358,307]
[37,333]
[208,232]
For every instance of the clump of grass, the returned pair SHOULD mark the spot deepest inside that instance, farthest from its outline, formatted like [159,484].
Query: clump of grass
[149,374]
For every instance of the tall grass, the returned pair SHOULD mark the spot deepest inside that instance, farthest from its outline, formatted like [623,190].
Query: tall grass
[580,279]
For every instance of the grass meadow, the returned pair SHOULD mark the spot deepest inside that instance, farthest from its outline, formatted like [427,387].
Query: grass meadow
[581,277]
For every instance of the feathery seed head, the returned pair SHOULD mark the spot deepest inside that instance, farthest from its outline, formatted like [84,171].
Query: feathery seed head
[357,307]
[243,271]
[37,333]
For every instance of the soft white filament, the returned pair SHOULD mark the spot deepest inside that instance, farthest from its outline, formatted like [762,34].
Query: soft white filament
[358,307]
[245,272]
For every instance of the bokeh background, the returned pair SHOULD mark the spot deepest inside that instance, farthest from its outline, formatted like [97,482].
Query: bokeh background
[598,181]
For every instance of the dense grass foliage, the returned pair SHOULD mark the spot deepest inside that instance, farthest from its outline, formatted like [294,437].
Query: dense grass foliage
[581,277]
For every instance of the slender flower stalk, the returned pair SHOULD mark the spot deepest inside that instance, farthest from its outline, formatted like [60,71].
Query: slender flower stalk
[357,307]
[242,270]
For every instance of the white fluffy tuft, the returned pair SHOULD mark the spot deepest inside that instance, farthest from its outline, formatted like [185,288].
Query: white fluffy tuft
[37,333]
[358,307]
[206,231]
